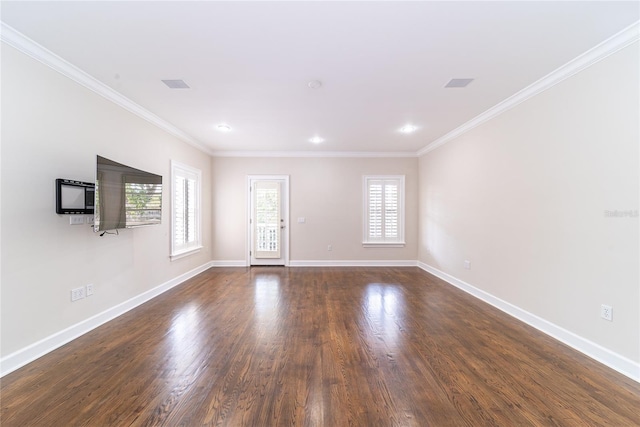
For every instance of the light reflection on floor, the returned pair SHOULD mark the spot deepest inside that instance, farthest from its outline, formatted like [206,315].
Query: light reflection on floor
[267,304]
[185,338]
[383,306]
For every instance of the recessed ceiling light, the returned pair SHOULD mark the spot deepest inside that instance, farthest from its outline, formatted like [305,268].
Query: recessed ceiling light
[223,128]
[315,84]
[408,128]
[316,140]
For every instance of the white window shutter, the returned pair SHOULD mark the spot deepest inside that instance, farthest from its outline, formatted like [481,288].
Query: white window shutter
[375,209]
[185,228]
[383,210]
[178,211]
[391,210]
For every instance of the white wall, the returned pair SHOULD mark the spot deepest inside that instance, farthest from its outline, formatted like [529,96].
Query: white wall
[327,192]
[54,128]
[523,197]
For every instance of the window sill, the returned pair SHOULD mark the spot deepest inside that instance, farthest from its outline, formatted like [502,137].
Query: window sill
[185,253]
[383,244]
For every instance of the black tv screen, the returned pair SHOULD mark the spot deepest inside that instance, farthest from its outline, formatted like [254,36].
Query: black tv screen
[126,197]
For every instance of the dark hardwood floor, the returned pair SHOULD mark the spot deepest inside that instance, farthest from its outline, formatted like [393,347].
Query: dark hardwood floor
[272,346]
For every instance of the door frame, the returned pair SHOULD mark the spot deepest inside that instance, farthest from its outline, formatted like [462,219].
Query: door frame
[285,214]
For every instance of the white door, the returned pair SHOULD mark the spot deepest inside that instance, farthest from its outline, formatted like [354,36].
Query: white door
[268,220]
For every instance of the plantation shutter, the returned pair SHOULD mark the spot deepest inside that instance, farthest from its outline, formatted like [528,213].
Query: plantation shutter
[384,209]
[391,210]
[375,210]
[185,210]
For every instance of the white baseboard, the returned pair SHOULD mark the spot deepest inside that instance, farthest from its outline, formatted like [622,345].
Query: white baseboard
[605,356]
[355,263]
[231,263]
[19,358]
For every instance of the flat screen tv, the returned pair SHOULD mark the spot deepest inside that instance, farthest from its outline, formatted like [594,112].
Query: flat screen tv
[126,197]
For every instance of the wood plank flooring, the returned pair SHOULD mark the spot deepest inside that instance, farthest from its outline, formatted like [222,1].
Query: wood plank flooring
[274,346]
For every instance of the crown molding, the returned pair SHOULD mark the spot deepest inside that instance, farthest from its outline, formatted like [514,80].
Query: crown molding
[36,51]
[19,41]
[599,52]
[350,154]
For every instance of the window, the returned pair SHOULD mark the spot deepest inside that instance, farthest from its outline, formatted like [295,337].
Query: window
[185,210]
[384,211]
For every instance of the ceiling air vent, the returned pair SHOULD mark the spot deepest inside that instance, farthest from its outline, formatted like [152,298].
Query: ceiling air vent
[176,84]
[458,82]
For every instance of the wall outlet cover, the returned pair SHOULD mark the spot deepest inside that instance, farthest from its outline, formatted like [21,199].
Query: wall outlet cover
[606,312]
[76,220]
[77,293]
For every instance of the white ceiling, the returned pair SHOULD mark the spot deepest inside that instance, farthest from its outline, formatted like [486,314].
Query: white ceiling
[382,64]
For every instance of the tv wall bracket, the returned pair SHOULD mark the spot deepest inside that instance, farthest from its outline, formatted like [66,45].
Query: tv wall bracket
[74,197]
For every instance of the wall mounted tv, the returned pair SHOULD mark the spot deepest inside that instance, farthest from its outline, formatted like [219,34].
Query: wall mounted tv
[126,197]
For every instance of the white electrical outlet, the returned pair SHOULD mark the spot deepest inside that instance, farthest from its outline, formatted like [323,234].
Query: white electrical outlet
[467,264]
[606,312]
[90,289]
[329,248]
[76,219]
[90,220]
[77,293]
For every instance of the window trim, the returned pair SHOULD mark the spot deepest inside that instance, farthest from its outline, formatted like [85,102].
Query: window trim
[181,169]
[400,241]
